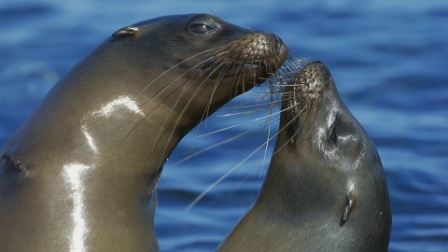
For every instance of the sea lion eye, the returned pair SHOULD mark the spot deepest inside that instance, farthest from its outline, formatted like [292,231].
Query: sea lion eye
[200,28]
[333,137]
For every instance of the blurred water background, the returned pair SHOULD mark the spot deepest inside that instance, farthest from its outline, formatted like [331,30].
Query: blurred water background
[389,61]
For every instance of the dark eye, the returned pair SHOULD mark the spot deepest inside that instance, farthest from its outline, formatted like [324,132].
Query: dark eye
[200,28]
[333,137]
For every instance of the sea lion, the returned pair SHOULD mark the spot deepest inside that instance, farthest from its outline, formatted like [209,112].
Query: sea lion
[80,173]
[325,189]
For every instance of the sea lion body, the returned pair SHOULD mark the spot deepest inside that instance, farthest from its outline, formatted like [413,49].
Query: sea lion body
[325,189]
[80,173]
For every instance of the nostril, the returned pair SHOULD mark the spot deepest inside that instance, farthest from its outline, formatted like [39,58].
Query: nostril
[321,70]
[279,44]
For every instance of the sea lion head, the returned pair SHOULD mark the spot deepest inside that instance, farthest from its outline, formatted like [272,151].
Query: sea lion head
[201,60]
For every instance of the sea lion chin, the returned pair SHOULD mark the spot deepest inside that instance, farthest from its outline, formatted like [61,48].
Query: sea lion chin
[325,189]
[80,173]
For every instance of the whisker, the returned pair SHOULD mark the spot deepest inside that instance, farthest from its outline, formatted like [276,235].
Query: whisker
[272,114]
[285,79]
[209,188]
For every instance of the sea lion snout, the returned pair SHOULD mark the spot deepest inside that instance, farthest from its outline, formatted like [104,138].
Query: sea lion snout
[311,80]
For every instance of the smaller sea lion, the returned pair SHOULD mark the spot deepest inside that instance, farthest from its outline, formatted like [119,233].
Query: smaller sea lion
[325,189]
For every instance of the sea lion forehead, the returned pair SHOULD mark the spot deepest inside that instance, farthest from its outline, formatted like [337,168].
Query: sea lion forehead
[175,24]
[181,21]
[164,19]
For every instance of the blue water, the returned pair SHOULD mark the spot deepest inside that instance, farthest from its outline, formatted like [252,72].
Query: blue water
[389,60]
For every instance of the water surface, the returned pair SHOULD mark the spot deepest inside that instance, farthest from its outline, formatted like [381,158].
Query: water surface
[388,58]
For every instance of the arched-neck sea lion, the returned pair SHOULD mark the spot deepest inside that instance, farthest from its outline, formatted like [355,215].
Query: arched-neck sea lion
[79,174]
[325,189]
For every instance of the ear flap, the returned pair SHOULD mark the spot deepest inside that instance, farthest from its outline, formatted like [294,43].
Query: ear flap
[125,32]
[348,205]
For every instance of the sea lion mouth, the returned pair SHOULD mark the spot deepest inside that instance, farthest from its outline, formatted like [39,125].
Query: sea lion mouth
[265,46]
[310,81]
[237,67]
[303,86]
[254,57]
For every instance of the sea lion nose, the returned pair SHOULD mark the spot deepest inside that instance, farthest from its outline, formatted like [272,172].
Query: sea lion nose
[322,70]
